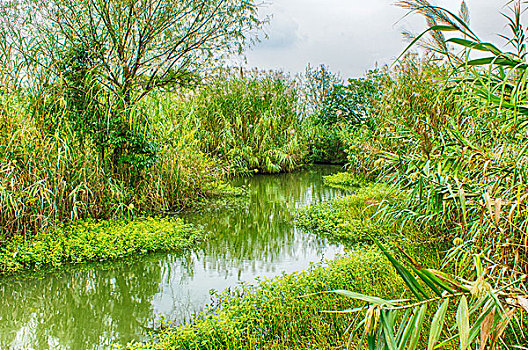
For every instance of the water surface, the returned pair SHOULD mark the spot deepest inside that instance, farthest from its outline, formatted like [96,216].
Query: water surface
[95,306]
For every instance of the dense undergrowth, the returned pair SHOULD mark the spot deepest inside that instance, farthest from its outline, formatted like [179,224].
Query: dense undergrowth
[182,146]
[442,135]
[247,123]
[97,241]
[446,136]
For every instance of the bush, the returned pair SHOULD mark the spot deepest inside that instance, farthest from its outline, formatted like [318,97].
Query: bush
[343,107]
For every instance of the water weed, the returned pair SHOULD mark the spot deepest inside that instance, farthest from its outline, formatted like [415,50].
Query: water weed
[346,181]
[352,220]
[96,241]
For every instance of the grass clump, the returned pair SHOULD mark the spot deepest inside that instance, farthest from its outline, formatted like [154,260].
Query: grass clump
[352,220]
[91,241]
[283,312]
[346,219]
[249,122]
[344,180]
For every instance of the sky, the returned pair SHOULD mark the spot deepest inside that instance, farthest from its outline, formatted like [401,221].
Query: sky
[351,36]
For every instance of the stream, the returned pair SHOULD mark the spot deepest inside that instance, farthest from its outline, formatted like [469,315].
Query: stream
[95,306]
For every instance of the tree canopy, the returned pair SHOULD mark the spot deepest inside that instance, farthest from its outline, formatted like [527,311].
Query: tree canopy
[133,46]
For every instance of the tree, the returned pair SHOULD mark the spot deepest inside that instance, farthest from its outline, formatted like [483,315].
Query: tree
[114,52]
[142,45]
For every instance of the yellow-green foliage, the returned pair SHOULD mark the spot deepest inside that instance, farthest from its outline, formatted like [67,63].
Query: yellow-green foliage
[346,181]
[346,219]
[53,177]
[282,312]
[249,122]
[456,150]
[353,219]
[89,241]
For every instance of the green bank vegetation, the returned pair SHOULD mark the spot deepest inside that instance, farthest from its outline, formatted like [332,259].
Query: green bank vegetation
[97,241]
[283,313]
[117,109]
[103,119]
[446,134]
[449,136]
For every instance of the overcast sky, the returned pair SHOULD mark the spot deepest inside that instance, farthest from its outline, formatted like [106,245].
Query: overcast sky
[351,36]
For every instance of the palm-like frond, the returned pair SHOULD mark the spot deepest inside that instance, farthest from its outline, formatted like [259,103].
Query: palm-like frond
[483,313]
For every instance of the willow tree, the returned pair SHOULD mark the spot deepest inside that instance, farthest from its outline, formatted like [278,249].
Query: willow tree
[122,50]
[139,45]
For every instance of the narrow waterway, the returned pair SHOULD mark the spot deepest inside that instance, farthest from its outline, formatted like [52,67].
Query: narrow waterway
[95,306]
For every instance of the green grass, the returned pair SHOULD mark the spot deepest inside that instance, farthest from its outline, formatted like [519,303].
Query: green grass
[96,241]
[346,219]
[248,122]
[352,220]
[283,312]
[346,181]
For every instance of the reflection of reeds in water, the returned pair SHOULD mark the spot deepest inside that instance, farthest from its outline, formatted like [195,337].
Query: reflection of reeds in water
[84,309]
[96,306]
[263,230]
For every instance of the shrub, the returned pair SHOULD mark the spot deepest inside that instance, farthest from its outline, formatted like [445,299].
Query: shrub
[343,108]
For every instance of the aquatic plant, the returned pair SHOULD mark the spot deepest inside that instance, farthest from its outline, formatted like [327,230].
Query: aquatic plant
[96,241]
[345,180]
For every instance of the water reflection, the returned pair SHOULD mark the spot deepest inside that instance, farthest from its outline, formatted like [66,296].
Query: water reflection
[92,308]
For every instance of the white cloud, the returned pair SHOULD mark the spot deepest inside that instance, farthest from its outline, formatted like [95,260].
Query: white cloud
[350,36]
[282,31]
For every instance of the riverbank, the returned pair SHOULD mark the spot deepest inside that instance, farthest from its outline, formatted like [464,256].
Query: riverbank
[284,312]
[96,241]
[121,301]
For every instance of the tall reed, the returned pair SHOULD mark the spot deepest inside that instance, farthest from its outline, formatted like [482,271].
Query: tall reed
[249,121]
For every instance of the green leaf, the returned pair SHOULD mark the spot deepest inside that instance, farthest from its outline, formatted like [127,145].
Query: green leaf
[476,45]
[402,342]
[366,298]
[500,61]
[437,281]
[403,326]
[462,318]
[388,331]
[437,325]
[462,196]
[417,328]
[427,280]
[411,282]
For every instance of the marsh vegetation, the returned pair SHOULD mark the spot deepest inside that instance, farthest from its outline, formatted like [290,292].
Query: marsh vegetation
[117,116]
